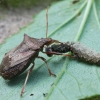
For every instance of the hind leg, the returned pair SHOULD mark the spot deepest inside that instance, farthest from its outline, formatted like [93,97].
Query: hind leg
[27,76]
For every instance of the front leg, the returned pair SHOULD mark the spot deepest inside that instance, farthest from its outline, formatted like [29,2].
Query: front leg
[56,53]
[46,65]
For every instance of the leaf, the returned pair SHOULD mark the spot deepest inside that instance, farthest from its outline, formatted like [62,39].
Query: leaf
[75,80]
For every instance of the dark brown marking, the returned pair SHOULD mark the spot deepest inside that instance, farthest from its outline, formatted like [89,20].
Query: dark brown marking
[75,1]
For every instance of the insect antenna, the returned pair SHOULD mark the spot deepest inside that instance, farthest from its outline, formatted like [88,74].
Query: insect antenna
[47,21]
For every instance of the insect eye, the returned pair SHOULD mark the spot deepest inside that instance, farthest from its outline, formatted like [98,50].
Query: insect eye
[50,39]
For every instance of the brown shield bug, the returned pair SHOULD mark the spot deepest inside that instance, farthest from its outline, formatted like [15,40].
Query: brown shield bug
[18,60]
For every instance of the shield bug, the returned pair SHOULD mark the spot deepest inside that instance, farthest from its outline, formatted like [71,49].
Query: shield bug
[18,59]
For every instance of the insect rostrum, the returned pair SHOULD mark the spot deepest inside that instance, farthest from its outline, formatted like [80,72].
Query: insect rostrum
[78,50]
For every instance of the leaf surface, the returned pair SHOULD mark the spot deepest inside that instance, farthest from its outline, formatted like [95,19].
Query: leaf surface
[68,21]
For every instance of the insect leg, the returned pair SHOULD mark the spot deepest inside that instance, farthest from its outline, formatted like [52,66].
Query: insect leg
[46,65]
[28,73]
[74,56]
[56,53]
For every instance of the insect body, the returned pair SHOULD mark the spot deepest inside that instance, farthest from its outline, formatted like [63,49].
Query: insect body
[18,59]
[14,62]
[77,49]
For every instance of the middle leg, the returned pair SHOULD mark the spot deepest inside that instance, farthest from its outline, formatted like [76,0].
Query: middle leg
[47,66]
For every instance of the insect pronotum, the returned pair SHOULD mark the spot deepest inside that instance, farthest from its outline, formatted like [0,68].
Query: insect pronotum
[18,59]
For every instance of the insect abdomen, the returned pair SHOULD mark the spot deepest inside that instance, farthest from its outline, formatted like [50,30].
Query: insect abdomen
[15,70]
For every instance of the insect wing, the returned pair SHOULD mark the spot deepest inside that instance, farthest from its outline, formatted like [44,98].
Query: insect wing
[13,59]
[16,56]
[21,57]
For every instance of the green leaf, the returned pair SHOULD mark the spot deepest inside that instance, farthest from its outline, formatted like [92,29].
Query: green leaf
[75,80]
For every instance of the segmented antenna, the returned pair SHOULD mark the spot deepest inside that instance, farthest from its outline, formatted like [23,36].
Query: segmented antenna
[47,21]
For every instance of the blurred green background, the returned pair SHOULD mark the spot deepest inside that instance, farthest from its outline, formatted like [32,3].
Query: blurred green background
[25,3]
